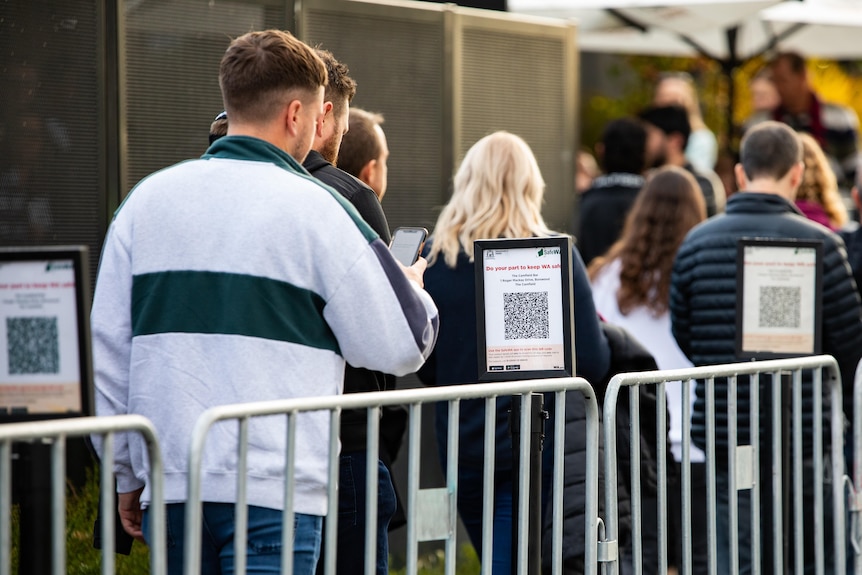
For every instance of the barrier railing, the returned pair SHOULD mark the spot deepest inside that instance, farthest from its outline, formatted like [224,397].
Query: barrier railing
[743,461]
[55,432]
[432,513]
[856,488]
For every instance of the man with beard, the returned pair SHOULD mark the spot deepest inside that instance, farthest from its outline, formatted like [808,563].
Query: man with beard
[668,133]
[353,461]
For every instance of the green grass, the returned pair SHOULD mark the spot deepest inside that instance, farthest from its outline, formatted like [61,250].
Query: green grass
[83,559]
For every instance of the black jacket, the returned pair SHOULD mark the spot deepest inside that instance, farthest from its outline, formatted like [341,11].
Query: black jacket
[602,212]
[703,300]
[358,380]
[627,355]
[853,240]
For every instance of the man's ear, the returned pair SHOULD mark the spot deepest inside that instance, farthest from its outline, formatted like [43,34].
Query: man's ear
[291,117]
[600,151]
[327,115]
[367,171]
[741,179]
[796,173]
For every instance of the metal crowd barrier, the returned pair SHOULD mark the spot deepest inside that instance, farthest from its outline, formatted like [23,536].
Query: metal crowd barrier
[856,488]
[742,463]
[431,513]
[56,432]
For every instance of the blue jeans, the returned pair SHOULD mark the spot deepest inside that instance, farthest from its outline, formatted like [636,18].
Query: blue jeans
[264,539]
[352,511]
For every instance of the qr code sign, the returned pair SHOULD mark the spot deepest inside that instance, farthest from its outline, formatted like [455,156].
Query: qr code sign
[525,315]
[33,345]
[779,306]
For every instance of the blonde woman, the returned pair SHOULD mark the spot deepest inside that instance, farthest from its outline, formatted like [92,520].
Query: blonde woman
[498,192]
[818,197]
[678,89]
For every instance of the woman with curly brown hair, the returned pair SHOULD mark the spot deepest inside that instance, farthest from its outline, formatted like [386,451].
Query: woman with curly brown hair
[631,288]
[818,197]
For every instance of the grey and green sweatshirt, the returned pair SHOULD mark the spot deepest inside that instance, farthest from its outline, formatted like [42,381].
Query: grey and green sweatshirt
[236,278]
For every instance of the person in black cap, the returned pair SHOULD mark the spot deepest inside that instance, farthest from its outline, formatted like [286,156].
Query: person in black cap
[669,130]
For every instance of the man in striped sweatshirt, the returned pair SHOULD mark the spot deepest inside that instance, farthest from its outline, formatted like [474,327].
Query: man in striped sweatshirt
[237,277]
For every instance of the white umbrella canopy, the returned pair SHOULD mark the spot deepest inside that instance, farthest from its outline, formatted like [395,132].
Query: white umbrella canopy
[724,30]
[826,28]
[730,32]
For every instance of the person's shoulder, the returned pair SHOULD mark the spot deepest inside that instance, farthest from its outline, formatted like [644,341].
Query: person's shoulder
[834,115]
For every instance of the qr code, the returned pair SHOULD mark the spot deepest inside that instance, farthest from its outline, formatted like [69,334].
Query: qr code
[779,306]
[525,315]
[33,345]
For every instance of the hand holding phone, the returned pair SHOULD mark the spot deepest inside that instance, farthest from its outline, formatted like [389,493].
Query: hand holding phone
[407,244]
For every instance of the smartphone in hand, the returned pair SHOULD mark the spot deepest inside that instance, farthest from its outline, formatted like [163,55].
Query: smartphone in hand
[407,244]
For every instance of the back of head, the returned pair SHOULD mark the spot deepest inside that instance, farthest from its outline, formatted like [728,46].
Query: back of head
[262,71]
[678,88]
[498,191]
[340,87]
[769,150]
[361,143]
[669,119]
[668,206]
[794,61]
[218,128]
[624,146]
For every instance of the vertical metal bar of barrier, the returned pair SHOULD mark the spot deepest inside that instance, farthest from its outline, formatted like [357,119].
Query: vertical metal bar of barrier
[524,485]
[732,493]
[686,477]
[557,491]
[414,434]
[287,511]
[58,505]
[451,548]
[661,441]
[108,506]
[591,508]
[5,506]
[331,522]
[754,434]
[818,472]
[836,401]
[856,525]
[777,476]
[611,523]
[240,535]
[158,538]
[798,515]
[710,477]
[488,494]
[371,488]
[637,500]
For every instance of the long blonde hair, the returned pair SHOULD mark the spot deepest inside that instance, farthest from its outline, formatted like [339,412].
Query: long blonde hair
[498,191]
[818,182]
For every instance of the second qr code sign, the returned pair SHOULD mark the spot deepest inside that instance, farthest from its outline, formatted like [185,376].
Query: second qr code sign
[779,291]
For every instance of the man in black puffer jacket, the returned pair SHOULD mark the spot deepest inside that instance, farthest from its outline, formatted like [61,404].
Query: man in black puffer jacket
[703,311]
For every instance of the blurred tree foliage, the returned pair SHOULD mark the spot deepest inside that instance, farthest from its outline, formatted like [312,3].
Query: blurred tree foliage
[636,76]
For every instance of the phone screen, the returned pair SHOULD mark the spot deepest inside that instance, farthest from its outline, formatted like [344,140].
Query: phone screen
[406,244]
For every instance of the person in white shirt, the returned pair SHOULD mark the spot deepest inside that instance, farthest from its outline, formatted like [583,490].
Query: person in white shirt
[631,285]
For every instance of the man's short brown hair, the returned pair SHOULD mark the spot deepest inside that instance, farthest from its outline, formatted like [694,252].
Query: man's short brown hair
[340,87]
[769,149]
[795,61]
[361,144]
[260,69]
